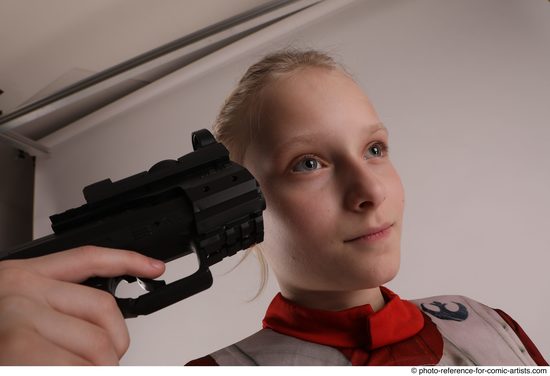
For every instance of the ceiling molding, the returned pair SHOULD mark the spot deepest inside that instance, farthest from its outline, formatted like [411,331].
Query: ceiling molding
[38,126]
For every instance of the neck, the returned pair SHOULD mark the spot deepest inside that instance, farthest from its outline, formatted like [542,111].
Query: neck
[335,300]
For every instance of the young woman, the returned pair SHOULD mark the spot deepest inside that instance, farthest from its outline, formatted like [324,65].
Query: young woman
[333,222]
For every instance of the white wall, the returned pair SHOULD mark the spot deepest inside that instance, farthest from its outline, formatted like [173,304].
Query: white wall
[462,86]
[66,40]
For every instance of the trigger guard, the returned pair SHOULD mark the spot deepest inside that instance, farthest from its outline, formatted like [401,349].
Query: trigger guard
[166,295]
[108,284]
[150,284]
[112,283]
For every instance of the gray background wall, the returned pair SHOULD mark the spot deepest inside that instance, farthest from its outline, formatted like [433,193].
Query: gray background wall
[463,87]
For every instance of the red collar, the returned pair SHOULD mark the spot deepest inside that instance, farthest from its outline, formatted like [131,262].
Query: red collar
[350,328]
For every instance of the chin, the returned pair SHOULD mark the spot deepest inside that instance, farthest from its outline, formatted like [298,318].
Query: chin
[388,276]
[380,274]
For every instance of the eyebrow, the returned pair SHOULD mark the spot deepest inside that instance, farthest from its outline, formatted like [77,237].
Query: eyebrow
[310,137]
[377,127]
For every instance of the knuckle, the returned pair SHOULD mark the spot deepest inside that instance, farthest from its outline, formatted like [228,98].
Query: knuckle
[87,251]
[133,257]
[107,306]
[122,344]
[102,347]
[92,256]
[102,342]
[98,257]
[106,303]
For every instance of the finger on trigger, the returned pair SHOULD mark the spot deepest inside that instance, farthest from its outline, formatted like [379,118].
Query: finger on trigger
[79,264]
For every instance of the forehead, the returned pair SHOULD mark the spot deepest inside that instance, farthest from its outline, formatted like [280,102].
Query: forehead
[313,100]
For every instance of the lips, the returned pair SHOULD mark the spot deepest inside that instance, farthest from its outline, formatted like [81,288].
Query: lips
[373,233]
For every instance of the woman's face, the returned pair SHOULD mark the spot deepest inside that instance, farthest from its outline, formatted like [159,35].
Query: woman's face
[321,160]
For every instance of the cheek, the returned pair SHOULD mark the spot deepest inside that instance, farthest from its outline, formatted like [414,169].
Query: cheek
[299,212]
[395,191]
[298,220]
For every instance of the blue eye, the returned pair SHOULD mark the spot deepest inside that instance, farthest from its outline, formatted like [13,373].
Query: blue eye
[307,164]
[377,150]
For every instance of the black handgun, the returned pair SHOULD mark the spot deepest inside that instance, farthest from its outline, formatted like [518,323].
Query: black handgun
[202,203]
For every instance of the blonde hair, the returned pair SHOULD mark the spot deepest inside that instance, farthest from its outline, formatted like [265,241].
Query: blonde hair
[240,119]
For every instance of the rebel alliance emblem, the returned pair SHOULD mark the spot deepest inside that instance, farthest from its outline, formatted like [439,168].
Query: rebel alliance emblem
[444,314]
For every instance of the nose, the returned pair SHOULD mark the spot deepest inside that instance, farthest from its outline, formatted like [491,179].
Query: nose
[363,187]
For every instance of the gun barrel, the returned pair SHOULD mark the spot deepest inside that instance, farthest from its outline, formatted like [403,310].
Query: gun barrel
[161,230]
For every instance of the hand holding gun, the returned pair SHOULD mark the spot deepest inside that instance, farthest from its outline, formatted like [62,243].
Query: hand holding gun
[48,318]
[202,203]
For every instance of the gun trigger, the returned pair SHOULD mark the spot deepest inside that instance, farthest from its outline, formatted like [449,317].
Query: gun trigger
[150,284]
